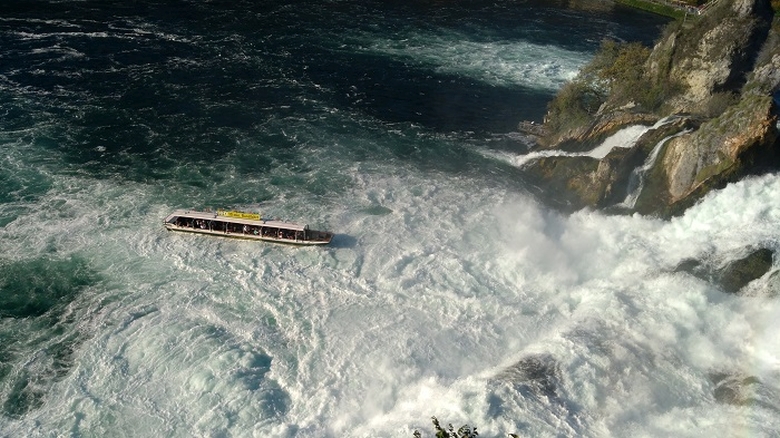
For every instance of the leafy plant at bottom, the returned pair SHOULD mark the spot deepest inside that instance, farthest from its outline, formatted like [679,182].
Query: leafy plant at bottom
[464,431]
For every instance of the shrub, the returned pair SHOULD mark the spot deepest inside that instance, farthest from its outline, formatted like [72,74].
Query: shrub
[627,65]
[616,71]
[574,105]
[464,431]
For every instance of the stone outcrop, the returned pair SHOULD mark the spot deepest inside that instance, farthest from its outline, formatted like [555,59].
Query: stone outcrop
[718,53]
[725,69]
[734,388]
[737,274]
[740,141]
[733,275]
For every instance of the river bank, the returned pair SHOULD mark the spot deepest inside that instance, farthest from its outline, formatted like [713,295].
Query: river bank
[676,10]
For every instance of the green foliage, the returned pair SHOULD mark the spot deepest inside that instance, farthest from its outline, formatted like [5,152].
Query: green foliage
[464,431]
[574,104]
[615,74]
[653,96]
[623,70]
[626,67]
[655,7]
[603,59]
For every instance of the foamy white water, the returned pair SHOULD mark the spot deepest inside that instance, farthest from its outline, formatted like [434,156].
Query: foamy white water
[415,311]
[448,291]
[542,67]
[636,182]
[623,138]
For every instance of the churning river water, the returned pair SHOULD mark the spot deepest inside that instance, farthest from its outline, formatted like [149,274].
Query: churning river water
[449,289]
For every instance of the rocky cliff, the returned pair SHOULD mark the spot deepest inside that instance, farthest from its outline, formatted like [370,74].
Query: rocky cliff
[711,82]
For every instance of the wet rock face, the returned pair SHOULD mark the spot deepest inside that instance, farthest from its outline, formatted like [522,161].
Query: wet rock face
[739,273]
[728,63]
[694,267]
[733,388]
[574,182]
[736,274]
[746,7]
[537,382]
[719,53]
[568,183]
[722,147]
[773,285]
[739,388]
[538,375]
[711,66]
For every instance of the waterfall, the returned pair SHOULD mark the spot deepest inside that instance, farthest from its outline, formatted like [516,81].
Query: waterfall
[624,138]
[637,178]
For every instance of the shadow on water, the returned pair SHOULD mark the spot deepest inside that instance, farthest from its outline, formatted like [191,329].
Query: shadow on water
[195,98]
[39,333]
[343,241]
[192,89]
[395,92]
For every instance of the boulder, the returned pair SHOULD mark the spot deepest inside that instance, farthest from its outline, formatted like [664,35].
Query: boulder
[739,142]
[726,66]
[734,275]
[734,388]
[738,273]
[717,54]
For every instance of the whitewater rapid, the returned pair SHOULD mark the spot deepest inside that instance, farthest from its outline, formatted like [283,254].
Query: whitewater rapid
[448,291]
[434,286]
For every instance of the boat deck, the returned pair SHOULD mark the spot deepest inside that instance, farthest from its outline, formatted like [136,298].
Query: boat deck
[251,227]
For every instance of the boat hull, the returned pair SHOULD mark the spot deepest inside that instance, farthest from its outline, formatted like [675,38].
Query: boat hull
[247,229]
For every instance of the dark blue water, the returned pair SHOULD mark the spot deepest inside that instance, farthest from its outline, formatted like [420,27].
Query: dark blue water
[161,82]
[448,290]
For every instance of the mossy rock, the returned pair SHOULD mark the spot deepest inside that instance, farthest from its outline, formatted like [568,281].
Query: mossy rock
[734,388]
[567,182]
[739,273]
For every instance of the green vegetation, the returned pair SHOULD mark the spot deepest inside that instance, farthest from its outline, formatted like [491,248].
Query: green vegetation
[677,9]
[573,106]
[655,7]
[464,431]
[620,67]
[616,75]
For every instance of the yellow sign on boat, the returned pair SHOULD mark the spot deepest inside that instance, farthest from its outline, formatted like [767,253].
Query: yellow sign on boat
[239,214]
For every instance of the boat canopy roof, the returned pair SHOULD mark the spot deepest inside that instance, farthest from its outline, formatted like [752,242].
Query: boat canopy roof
[211,216]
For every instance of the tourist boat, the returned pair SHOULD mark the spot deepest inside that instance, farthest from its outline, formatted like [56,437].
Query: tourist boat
[244,225]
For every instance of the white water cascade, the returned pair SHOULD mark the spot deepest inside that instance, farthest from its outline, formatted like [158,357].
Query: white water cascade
[625,138]
[637,178]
